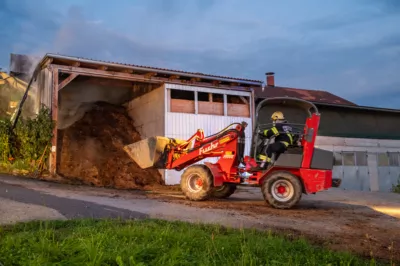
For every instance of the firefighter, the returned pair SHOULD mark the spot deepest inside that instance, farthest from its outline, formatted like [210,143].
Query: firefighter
[283,138]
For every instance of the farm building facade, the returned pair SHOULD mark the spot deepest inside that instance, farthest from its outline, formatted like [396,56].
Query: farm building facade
[170,103]
[161,102]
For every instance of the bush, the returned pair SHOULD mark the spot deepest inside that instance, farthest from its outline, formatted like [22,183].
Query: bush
[396,188]
[28,142]
[5,149]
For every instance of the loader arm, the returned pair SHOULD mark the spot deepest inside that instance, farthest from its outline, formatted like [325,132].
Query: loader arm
[168,153]
[224,142]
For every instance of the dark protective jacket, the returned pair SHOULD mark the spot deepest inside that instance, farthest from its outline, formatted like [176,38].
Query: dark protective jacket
[282,133]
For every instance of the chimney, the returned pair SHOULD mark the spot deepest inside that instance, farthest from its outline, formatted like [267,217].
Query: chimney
[270,79]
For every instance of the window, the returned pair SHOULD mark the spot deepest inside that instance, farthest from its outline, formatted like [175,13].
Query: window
[383,159]
[394,158]
[338,158]
[361,158]
[182,101]
[210,103]
[238,105]
[348,158]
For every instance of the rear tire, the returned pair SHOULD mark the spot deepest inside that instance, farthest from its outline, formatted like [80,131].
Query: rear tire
[197,183]
[224,191]
[282,190]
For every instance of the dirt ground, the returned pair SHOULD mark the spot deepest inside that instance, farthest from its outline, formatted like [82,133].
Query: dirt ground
[92,150]
[366,223]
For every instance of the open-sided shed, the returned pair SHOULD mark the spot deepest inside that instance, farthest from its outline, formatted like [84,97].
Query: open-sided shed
[160,101]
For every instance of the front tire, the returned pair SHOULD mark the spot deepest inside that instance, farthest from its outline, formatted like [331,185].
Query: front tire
[282,190]
[224,191]
[197,183]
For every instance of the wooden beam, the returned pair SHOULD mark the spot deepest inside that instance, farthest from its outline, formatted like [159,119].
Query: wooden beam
[76,64]
[216,83]
[107,74]
[130,71]
[138,78]
[244,99]
[172,77]
[103,68]
[195,79]
[54,115]
[150,75]
[47,63]
[66,81]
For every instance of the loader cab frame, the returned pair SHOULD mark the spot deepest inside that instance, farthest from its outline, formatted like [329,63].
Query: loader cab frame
[301,154]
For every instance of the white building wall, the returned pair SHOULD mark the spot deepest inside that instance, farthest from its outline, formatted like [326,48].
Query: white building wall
[364,164]
[184,125]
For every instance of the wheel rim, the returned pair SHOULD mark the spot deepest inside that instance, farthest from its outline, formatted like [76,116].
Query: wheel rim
[194,183]
[282,190]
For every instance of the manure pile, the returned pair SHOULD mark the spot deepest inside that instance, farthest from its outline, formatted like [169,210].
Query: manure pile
[92,150]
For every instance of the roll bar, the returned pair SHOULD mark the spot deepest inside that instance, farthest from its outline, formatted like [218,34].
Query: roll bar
[280,100]
[292,101]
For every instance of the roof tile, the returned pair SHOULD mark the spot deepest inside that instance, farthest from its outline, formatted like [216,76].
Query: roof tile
[316,96]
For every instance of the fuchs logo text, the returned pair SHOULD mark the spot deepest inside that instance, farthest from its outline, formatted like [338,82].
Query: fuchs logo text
[209,148]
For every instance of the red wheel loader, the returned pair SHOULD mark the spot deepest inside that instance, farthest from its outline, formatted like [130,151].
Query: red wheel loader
[301,169]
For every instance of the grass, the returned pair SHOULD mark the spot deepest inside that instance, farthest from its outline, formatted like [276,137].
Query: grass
[154,242]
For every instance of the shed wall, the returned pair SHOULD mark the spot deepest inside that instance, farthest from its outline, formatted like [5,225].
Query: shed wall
[364,164]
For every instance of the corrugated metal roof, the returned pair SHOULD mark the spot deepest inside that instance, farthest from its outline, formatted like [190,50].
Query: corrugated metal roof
[95,61]
[315,96]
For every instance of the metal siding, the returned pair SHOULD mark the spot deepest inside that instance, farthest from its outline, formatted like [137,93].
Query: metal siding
[373,171]
[363,178]
[384,179]
[338,172]
[388,176]
[183,126]
[350,179]
[394,175]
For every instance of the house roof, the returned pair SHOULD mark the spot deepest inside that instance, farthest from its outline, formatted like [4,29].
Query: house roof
[315,96]
[152,69]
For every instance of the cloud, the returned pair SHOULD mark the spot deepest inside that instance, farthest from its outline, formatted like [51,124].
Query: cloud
[353,54]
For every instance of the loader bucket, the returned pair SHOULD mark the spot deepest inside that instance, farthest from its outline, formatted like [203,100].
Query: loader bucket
[147,152]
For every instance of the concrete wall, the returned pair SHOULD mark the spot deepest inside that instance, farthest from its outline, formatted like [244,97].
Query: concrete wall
[147,112]
[364,164]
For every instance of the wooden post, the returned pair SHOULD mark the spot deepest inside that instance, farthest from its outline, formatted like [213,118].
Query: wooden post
[54,115]
[225,105]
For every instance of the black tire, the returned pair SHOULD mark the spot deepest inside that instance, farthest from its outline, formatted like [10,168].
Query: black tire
[189,178]
[292,185]
[223,191]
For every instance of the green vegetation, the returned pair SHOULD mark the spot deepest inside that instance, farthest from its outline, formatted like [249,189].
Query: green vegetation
[27,147]
[396,188]
[154,242]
